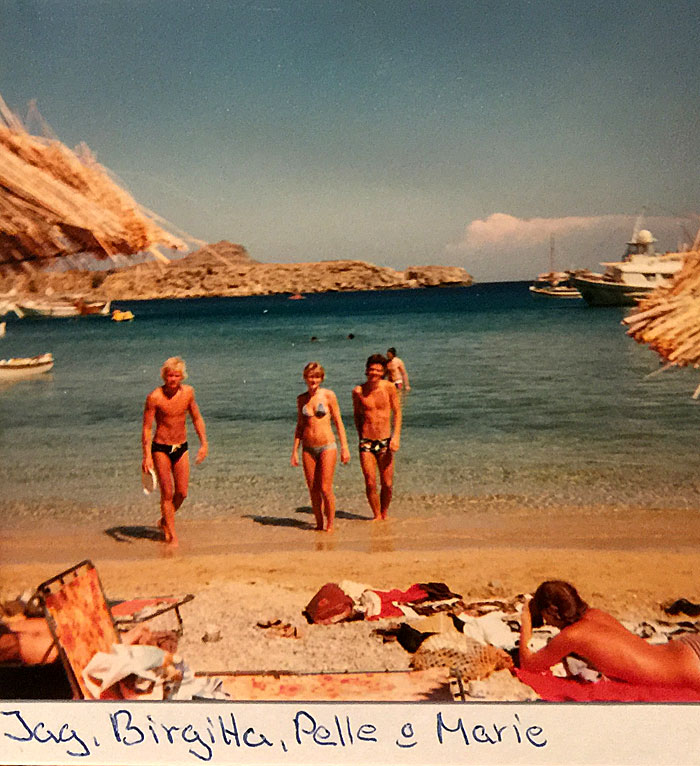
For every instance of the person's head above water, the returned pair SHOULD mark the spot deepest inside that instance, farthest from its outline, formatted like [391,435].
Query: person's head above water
[375,359]
[391,353]
[176,364]
[557,603]
[314,368]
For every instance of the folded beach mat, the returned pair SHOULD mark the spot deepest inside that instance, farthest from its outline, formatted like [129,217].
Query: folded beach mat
[381,686]
[555,689]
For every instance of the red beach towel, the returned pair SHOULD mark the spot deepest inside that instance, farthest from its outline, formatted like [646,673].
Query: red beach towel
[554,689]
[390,598]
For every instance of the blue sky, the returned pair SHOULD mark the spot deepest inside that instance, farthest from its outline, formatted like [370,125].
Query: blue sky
[398,132]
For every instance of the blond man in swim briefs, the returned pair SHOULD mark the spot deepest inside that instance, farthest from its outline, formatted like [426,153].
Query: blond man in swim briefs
[375,403]
[167,450]
[598,638]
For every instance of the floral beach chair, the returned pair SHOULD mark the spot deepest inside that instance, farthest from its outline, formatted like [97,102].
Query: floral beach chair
[83,623]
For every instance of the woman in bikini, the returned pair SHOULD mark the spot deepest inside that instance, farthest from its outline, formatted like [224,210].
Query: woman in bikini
[317,409]
[603,642]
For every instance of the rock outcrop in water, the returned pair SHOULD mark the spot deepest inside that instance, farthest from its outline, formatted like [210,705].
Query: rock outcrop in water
[226,269]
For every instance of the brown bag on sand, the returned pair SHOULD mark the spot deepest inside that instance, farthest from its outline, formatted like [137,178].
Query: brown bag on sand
[330,604]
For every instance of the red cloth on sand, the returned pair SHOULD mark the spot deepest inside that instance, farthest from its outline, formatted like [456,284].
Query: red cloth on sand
[554,689]
[390,598]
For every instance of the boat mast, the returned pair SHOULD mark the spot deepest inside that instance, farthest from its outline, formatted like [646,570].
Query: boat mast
[551,253]
[638,224]
[632,244]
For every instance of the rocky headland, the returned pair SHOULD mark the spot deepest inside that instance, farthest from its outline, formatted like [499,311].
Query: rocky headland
[226,269]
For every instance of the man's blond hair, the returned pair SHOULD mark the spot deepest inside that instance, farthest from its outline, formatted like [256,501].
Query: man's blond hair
[174,363]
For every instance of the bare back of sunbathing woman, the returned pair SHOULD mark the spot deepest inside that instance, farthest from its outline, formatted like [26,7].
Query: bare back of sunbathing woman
[598,638]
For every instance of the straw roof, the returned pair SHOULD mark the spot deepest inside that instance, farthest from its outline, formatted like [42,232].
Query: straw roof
[55,202]
[668,319]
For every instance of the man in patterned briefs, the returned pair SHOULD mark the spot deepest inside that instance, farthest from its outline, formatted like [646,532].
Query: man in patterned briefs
[374,404]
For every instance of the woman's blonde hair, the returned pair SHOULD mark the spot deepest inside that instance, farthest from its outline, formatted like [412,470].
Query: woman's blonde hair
[174,363]
[314,367]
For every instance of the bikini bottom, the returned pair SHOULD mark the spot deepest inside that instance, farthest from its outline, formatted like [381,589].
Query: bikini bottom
[317,450]
[691,639]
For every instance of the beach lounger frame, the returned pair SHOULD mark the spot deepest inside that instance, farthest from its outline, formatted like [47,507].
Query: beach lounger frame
[127,614]
[82,622]
[78,616]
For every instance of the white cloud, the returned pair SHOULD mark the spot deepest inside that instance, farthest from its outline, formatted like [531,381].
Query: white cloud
[502,246]
[501,228]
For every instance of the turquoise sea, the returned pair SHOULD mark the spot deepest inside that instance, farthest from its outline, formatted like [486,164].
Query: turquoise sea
[515,400]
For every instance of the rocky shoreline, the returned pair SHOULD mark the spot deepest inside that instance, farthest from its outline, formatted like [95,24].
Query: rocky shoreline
[226,269]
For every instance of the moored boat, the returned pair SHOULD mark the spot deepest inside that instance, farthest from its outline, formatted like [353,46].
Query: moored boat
[63,307]
[624,282]
[122,316]
[22,367]
[554,284]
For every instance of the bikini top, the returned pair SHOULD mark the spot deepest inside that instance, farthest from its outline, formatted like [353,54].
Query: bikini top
[320,410]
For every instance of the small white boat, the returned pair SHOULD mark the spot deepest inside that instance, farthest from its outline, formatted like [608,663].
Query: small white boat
[554,284]
[25,366]
[6,306]
[63,307]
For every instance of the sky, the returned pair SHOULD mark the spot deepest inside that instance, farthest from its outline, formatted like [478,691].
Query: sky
[400,132]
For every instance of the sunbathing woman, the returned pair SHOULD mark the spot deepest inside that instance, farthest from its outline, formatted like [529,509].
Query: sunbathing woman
[603,642]
[316,409]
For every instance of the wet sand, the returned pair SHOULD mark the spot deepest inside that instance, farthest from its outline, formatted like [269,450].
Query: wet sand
[626,560]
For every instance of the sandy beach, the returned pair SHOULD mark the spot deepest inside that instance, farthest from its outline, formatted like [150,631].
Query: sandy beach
[246,571]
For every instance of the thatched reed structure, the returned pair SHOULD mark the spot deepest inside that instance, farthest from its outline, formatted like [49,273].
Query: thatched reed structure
[668,319]
[55,202]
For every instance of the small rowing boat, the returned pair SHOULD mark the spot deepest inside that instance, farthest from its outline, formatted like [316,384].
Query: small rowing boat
[63,307]
[24,366]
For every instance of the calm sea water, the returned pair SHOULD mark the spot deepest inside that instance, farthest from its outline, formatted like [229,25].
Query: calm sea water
[537,402]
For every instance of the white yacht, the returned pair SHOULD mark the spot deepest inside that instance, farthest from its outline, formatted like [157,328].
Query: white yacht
[624,282]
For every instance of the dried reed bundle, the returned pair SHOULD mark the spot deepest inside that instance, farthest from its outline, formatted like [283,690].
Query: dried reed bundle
[55,202]
[668,320]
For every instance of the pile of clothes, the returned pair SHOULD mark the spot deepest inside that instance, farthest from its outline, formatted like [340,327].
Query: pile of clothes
[348,600]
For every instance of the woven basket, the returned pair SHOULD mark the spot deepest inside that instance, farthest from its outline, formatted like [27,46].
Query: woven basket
[471,659]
